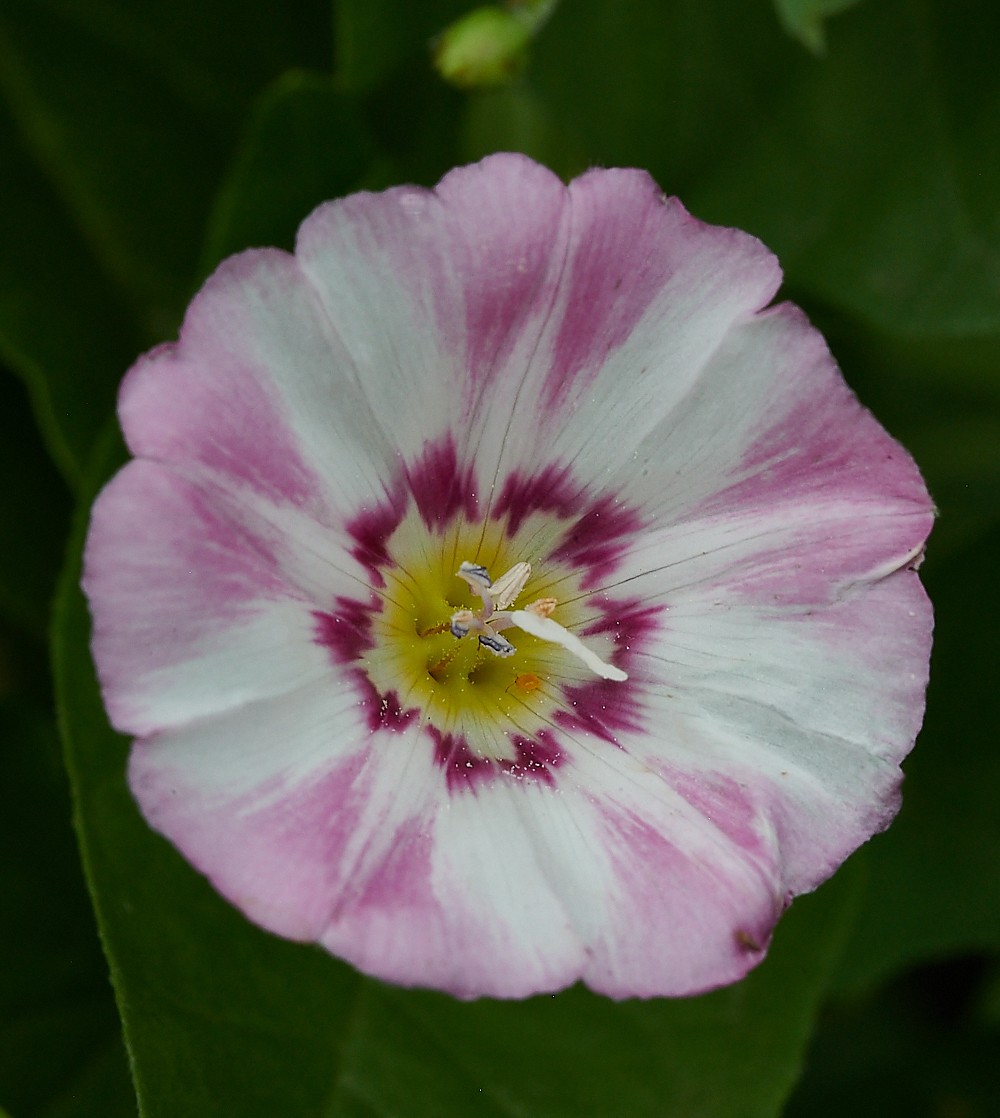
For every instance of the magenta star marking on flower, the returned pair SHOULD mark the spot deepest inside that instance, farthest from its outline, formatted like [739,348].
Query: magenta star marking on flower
[504,594]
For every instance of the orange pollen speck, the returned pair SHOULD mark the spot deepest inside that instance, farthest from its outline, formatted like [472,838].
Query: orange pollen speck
[528,682]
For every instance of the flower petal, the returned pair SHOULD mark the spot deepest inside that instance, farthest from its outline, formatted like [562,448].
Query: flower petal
[272,828]
[463,903]
[769,421]
[350,837]
[258,398]
[644,296]
[809,712]
[678,906]
[192,615]
[437,294]
[526,318]
[789,724]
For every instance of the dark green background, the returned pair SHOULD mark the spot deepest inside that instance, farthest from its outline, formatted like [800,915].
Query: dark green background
[143,140]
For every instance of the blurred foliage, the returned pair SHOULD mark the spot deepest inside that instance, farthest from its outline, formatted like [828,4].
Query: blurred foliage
[305,142]
[61,1052]
[804,19]
[34,513]
[914,1049]
[47,277]
[133,110]
[140,143]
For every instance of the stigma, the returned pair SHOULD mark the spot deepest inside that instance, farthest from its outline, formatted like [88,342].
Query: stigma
[494,616]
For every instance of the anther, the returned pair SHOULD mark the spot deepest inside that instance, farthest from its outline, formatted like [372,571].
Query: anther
[508,586]
[462,621]
[544,607]
[498,645]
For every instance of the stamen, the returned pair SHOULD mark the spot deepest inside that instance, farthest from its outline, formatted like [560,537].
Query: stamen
[496,644]
[442,628]
[462,620]
[535,619]
[477,577]
[508,586]
[543,607]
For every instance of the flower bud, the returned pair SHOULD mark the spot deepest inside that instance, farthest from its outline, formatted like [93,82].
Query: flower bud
[487,47]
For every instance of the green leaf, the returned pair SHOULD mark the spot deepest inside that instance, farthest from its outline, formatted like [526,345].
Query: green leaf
[873,174]
[62,328]
[305,143]
[989,1002]
[516,119]
[668,87]
[384,53]
[137,150]
[61,1053]
[375,36]
[35,509]
[875,181]
[911,1050]
[215,57]
[221,1018]
[803,19]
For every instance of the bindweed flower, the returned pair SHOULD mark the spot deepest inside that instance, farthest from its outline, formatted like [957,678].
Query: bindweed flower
[503,594]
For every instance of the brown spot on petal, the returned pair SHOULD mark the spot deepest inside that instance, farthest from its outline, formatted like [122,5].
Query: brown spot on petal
[746,940]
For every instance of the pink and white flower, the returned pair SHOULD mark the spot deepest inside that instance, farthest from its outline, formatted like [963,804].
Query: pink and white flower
[501,371]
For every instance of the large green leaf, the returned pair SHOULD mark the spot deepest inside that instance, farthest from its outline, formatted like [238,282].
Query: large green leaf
[221,1018]
[135,124]
[62,328]
[34,515]
[61,1050]
[671,87]
[384,52]
[914,1049]
[216,57]
[305,143]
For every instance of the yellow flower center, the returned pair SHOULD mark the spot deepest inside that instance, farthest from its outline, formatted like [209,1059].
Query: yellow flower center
[460,686]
